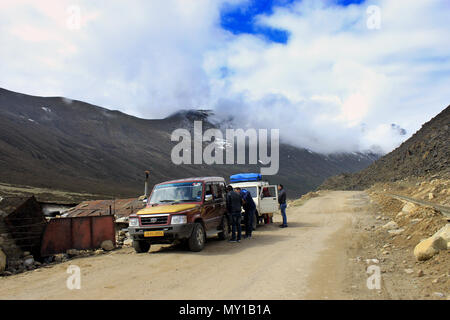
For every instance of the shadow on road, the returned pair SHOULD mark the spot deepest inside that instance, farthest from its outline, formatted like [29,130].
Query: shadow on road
[215,246]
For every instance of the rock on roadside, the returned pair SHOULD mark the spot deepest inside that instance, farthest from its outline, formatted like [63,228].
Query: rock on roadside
[444,233]
[128,242]
[391,225]
[409,207]
[29,261]
[429,247]
[107,245]
[395,232]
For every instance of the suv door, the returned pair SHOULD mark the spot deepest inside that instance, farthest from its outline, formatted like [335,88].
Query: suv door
[219,203]
[269,199]
[208,207]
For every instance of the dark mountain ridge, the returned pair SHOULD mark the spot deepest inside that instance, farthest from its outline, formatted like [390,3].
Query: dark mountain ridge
[74,146]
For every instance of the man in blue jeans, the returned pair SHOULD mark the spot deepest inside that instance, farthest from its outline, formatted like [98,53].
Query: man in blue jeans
[234,207]
[283,205]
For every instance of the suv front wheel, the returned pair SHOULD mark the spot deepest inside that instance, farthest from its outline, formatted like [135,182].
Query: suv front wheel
[197,240]
[225,234]
[141,246]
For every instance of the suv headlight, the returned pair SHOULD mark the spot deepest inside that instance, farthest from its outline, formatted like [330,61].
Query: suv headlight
[133,222]
[179,219]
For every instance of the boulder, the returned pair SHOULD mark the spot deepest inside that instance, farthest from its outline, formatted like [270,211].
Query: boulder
[444,233]
[2,261]
[72,252]
[128,242]
[429,247]
[391,225]
[61,257]
[408,207]
[29,261]
[107,245]
[430,196]
[397,231]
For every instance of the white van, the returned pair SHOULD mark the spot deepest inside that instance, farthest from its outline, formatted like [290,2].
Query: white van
[265,197]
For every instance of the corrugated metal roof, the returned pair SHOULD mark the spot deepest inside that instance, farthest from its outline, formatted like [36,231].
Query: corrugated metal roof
[118,207]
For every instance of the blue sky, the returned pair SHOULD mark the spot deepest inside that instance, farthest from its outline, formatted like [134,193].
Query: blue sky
[239,19]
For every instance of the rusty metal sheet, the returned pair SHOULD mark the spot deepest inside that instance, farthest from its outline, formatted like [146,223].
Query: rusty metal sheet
[80,233]
[117,207]
[57,237]
[102,228]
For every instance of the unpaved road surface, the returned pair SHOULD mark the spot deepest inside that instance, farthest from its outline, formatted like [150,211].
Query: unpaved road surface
[304,261]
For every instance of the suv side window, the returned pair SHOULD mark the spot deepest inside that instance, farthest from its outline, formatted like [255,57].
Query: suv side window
[218,190]
[209,189]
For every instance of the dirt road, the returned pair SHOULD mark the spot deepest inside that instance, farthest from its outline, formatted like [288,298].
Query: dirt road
[305,261]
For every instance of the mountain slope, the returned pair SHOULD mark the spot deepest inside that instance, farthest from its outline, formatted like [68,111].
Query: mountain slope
[427,152]
[75,146]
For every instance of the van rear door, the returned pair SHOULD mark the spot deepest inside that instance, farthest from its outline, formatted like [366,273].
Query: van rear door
[269,199]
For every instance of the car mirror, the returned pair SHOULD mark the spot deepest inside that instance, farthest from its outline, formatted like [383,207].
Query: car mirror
[208,197]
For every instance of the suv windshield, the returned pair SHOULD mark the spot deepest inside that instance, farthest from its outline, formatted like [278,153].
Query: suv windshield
[177,192]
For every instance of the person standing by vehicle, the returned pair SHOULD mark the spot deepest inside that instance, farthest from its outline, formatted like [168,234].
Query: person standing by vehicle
[234,206]
[249,208]
[283,205]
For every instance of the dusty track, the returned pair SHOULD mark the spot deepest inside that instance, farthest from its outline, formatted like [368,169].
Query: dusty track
[305,261]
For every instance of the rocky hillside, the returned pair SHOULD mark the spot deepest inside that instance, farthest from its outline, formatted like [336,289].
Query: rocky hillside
[425,154]
[70,145]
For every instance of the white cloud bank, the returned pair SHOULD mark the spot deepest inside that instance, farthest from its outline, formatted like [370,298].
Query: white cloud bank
[335,86]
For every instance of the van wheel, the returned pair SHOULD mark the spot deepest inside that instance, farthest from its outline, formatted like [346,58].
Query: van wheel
[255,221]
[258,218]
[141,246]
[225,234]
[197,240]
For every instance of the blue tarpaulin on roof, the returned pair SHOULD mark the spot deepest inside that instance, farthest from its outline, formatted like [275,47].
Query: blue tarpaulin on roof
[241,177]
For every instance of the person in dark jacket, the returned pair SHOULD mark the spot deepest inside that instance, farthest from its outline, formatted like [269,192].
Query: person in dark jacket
[234,207]
[249,208]
[283,205]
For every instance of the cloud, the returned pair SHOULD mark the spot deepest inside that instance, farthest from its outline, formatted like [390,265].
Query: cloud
[143,57]
[335,85]
[338,85]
